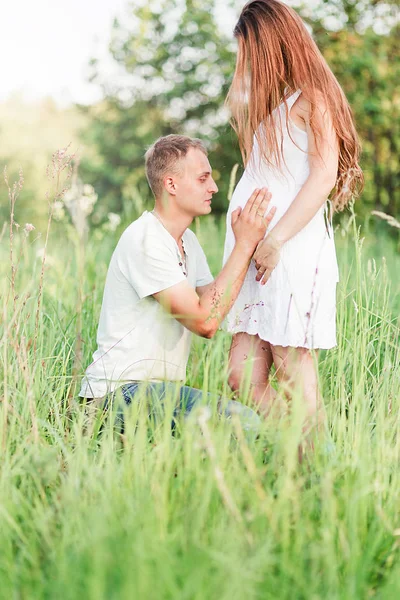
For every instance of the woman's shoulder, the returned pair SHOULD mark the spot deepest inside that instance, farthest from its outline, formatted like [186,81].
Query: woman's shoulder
[303,106]
[300,112]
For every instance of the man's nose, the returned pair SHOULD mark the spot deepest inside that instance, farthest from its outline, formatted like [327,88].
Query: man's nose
[214,188]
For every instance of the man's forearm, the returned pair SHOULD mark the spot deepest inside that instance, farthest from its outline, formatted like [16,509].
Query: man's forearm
[223,291]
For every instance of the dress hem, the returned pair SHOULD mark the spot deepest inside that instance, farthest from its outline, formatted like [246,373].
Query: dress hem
[266,338]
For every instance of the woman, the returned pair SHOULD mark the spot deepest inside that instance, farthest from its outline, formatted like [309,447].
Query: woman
[297,138]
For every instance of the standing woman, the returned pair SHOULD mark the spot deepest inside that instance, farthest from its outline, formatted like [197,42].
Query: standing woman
[297,137]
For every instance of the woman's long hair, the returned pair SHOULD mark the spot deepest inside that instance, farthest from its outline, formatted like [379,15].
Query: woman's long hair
[277,55]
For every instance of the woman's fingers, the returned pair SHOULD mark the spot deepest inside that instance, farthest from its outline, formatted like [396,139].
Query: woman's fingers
[265,260]
[266,276]
[258,257]
[260,273]
[263,275]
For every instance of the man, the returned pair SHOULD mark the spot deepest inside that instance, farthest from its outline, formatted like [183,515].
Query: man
[159,288]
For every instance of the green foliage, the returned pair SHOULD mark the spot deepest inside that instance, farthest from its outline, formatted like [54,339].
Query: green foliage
[367,65]
[29,135]
[145,515]
[176,65]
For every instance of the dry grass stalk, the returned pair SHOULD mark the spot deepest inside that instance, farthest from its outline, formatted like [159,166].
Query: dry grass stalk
[232,181]
[21,353]
[388,218]
[61,163]
[13,193]
[5,397]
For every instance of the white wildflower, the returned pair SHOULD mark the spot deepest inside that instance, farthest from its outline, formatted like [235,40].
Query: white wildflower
[79,201]
[69,195]
[28,228]
[40,253]
[86,203]
[113,221]
[88,189]
[58,210]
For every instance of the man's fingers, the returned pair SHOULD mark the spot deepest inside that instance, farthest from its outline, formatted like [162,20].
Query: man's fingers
[235,215]
[259,198]
[249,204]
[258,202]
[261,202]
[270,215]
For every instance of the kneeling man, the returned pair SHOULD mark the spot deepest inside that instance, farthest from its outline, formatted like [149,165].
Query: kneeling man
[159,288]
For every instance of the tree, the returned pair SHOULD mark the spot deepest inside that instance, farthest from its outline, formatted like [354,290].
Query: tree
[175,67]
[363,52]
[29,135]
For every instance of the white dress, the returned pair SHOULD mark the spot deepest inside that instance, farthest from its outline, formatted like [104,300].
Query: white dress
[297,305]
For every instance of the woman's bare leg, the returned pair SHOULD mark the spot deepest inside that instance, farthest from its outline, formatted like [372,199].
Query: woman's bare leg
[296,369]
[250,361]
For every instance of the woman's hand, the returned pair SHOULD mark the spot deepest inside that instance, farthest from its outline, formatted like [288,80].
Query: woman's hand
[266,257]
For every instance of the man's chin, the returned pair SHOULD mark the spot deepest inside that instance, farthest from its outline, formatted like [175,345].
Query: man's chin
[206,211]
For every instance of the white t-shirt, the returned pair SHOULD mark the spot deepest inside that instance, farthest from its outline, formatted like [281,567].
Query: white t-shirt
[137,338]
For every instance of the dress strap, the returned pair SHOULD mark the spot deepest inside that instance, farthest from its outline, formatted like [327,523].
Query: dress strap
[292,99]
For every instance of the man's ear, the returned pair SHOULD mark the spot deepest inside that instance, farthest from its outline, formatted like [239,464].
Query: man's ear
[170,185]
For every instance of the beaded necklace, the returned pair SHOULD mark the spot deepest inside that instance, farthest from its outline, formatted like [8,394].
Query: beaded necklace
[182,259]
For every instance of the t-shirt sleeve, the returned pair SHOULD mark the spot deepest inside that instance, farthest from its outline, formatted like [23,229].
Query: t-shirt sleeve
[151,266]
[203,273]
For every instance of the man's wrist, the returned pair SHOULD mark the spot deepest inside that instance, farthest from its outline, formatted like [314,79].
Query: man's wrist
[245,248]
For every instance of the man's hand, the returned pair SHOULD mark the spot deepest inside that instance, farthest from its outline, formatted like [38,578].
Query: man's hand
[266,257]
[203,315]
[250,224]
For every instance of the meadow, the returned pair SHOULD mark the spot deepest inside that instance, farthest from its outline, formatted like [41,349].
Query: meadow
[207,513]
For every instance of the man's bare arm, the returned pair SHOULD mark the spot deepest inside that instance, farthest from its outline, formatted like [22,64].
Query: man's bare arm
[203,315]
[201,289]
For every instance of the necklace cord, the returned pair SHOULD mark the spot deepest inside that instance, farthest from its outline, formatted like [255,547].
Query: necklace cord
[181,258]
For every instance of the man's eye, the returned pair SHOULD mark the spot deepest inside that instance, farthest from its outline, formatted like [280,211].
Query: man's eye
[203,180]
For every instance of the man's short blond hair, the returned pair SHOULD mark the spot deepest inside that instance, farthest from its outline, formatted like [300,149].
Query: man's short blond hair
[163,157]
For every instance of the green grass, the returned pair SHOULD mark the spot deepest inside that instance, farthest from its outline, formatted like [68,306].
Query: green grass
[88,516]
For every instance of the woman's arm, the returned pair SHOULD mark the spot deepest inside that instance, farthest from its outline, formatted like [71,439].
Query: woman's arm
[312,195]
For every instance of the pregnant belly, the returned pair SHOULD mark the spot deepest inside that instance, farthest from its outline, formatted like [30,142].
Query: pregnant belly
[282,192]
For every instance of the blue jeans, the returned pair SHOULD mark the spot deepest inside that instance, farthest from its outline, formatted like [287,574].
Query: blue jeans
[185,399]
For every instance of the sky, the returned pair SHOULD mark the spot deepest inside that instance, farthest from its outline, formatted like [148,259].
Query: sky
[45,46]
